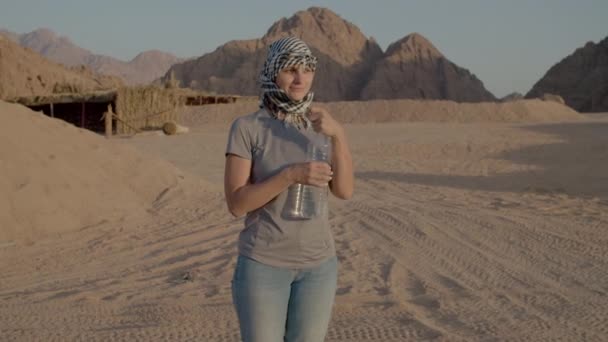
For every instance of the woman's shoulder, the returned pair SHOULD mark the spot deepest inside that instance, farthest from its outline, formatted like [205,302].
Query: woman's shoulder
[251,119]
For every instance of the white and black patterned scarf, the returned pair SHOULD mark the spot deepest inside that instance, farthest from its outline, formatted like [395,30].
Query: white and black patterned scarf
[285,53]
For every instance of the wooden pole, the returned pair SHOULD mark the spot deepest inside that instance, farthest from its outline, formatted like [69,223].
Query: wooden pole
[52,110]
[127,125]
[82,116]
[108,121]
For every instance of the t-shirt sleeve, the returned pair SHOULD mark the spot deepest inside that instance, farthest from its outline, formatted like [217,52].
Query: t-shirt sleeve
[239,140]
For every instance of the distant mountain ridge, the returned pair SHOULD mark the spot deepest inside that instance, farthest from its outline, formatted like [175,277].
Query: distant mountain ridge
[24,72]
[144,68]
[581,79]
[352,66]
[413,67]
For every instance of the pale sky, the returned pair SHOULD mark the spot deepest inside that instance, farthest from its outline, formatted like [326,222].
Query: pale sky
[508,45]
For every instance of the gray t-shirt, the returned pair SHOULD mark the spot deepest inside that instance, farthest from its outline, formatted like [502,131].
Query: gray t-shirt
[269,237]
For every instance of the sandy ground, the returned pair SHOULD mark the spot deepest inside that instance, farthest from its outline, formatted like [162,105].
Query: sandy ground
[477,231]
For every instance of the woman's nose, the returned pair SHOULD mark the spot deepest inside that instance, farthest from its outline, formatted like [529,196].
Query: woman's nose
[298,75]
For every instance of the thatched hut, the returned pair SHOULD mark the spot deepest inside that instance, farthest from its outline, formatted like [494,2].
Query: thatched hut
[204,99]
[130,109]
[80,109]
[146,107]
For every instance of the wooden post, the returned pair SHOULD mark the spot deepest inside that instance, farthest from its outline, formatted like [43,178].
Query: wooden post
[52,110]
[82,116]
[108,120]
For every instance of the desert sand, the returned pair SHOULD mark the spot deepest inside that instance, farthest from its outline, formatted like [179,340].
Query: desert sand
[480,222]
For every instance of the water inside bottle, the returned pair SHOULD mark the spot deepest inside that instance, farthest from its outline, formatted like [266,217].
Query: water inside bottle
[308,201]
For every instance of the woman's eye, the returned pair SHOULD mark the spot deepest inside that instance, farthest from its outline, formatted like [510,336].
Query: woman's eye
[294,70]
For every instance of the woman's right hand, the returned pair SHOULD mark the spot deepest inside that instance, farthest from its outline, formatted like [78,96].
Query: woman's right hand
[317,173]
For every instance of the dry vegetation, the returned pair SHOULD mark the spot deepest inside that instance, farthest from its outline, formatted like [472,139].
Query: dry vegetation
[146,107]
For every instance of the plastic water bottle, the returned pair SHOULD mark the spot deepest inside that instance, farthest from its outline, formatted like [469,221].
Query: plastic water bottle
[309,201]
[321,151]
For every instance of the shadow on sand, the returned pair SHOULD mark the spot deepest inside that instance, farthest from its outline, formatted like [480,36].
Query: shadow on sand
[576,166]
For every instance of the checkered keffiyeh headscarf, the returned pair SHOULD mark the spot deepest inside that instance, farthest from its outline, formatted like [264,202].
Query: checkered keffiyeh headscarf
[285,53]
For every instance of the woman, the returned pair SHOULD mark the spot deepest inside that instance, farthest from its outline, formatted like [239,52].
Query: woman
[286,274]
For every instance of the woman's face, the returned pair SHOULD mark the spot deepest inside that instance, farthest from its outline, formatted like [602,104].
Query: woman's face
[295,81]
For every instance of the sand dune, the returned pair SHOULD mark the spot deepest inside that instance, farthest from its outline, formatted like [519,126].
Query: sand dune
[377,111]
[58,178]
[460,230]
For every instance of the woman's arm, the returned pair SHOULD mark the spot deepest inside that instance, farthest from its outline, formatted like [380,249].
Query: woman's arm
[243,197]
[343,183]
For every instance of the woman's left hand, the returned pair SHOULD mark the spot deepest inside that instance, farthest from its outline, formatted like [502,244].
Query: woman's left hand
[323,122]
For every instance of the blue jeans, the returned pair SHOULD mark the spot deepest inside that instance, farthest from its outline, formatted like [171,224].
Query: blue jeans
[280,304]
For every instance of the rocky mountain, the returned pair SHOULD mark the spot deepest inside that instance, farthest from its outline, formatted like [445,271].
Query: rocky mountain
[56,48]
[353,66]
[581,79]
[10,35]
[142,69]
[413,68]
[345,55]
[515,96]
[230,69]
[24,72]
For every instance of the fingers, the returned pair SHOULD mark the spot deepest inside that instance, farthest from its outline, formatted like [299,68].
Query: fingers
[314,173]
[321,173]
[316,120]
[320,181]
[320,125]
[322,121]
[322,167]
[314,116]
